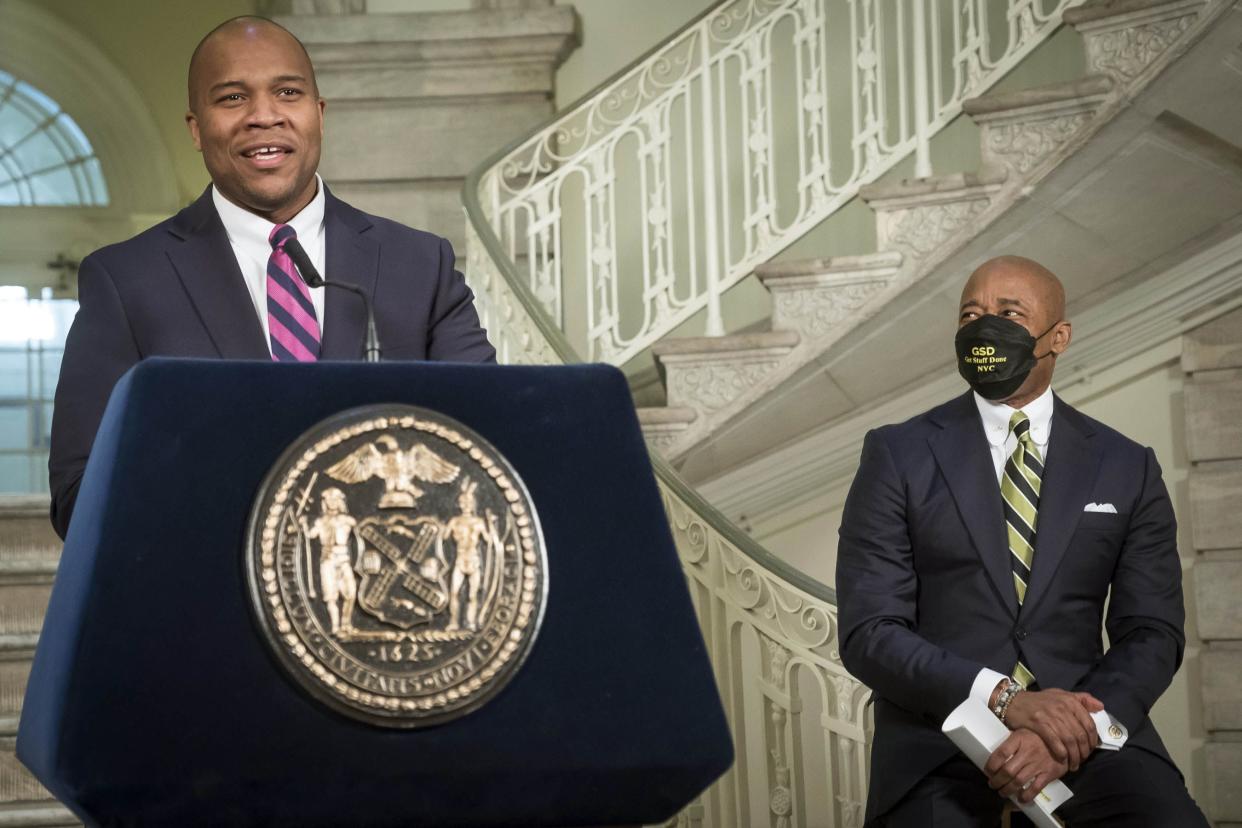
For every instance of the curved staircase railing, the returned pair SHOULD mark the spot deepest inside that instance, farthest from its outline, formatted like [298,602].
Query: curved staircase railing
[639,206]
[800,722]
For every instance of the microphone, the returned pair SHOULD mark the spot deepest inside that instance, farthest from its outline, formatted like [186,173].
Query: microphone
[371,351]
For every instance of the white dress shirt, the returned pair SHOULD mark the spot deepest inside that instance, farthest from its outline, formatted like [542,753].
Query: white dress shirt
[248,236]
[1002,442]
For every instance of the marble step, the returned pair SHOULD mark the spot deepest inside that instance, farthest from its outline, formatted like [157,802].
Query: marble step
[707,373]
[647,388]
[1128,38]
[29,552]
[663,426]
[23,801]
[16,783]
[816,297]
[915,217]
[14,673]
[36,815]
[373,42]
[26,536]
[1024,130]
[22,605]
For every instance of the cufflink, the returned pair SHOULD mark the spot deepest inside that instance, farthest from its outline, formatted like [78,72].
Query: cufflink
[1114,732]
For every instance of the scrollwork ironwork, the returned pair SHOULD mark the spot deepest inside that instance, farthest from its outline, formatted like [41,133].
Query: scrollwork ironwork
[721,76]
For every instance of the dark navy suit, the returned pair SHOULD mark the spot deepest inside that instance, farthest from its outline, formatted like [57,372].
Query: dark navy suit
[176,290]
[927,598]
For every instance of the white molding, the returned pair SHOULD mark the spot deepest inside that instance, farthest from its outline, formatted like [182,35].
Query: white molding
[1141,323]
[41,49]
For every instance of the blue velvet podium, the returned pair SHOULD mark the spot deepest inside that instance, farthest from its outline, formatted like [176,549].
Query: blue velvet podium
[154,699]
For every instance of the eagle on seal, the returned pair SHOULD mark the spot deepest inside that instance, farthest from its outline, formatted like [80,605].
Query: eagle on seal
[384,458]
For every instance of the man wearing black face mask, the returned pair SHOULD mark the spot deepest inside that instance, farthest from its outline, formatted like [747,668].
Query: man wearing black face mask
[979,543]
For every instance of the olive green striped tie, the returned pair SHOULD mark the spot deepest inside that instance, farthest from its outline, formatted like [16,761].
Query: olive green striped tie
[1020,492]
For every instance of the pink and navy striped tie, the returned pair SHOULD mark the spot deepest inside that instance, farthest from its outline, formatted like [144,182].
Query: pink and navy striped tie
[291,320]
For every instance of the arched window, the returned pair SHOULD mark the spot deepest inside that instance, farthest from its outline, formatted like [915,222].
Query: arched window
[45,159]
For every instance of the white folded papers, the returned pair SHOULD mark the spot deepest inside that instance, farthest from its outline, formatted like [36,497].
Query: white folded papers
[977,733]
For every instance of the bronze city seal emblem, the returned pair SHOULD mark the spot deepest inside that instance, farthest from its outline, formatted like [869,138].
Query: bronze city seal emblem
[396,565]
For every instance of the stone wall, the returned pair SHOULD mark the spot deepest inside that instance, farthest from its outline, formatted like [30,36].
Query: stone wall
[1212,359]
[418,100]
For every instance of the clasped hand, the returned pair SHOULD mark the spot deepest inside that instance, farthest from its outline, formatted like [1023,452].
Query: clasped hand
[1061,718]
[1022,766]
[1053,733]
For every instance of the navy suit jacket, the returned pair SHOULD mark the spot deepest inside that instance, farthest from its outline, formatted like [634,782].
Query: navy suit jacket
[926,596]
[176,290]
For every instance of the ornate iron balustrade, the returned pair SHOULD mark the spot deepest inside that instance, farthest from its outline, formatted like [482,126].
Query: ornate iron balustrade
[608,190]
[640,205]
[801,727]
[801,722]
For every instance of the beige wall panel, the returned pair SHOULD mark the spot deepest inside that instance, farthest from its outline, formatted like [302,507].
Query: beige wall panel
[1224,770]
[810,544]
[614,35]
[434,206]
[431,80]
[1214,415]
[387,140]
[1216,505]
[1218,344]
[1222,687]
[1217,587]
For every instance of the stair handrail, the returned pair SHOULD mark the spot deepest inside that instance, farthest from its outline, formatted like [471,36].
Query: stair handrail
[523,335]
[561,193]
[739,589]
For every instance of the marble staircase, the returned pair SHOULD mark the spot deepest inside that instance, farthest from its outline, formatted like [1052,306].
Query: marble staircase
[29,552]
[729,399]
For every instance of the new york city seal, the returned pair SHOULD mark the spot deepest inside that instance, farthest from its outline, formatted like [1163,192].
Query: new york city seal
[396,565]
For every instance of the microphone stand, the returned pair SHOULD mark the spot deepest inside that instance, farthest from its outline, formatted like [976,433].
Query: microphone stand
[371,350]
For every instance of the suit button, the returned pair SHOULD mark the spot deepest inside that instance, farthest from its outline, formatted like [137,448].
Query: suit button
[1019,633]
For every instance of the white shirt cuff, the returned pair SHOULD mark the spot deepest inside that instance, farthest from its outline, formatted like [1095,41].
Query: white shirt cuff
[1113,734]
[985,683]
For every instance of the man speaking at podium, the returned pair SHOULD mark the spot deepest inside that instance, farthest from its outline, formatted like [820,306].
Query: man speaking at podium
[215,281]
[979,545]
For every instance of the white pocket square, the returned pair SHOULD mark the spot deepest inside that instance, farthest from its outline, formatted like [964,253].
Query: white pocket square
[1107,508]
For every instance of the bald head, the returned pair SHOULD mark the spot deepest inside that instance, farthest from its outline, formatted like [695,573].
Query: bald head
[236,33]
[1038,284]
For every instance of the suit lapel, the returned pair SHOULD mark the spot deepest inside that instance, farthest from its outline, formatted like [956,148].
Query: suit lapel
[350,256]
[1069,476]
[961,452]
[208,271]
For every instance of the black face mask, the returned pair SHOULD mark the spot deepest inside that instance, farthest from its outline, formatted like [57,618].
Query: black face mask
[996,355]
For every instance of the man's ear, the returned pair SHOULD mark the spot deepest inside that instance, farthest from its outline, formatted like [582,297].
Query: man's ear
[1061,336]
[191,121]
[322,106]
